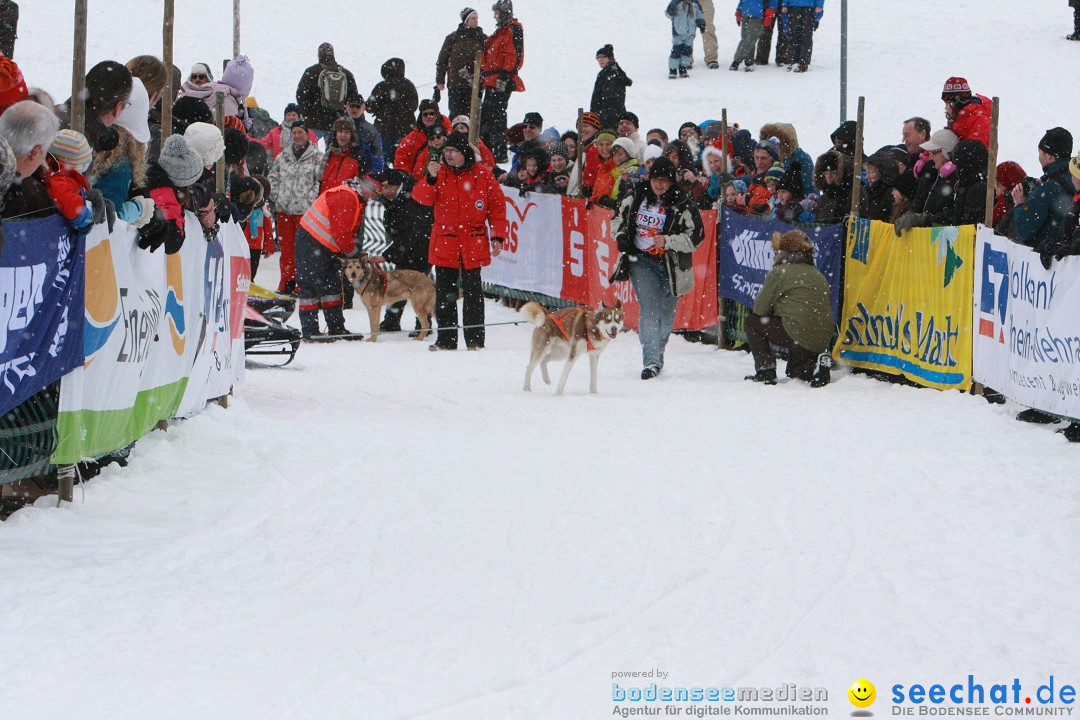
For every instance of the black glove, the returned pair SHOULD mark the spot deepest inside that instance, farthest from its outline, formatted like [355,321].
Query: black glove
[152,234]
[222,208]
[701,25]
[911,220]
[436,96]
[103,209]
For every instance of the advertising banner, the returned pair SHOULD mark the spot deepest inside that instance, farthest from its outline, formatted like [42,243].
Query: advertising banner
[1027,339]
[746,255]
[532,258]
[907,306]
[153,338]
[41,305]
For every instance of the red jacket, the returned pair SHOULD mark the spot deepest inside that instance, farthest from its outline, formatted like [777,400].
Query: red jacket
[591,165]
[272,141]
[335,218]
[467,202]
[605,178]
[504,54]
[974,120]
[412,144]
[66,188]
[259,231]
[339,168]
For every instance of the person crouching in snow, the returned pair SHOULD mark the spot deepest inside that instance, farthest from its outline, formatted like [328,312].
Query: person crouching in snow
[687,18]
[792,311]
[330,226]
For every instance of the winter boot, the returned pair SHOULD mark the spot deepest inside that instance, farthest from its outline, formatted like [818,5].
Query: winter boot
[765,377]
[1074,36]
[714,65]
[309,323]
[392,320]
[672,74]
[749,66]
[802,68]
[419,329]
[1031,415]
[822,372]
[683,73]
[650,371]
[335,324]
[734,66]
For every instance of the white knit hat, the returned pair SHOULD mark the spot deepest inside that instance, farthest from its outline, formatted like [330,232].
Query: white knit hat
[206,140]
[180,161]
[626,144]
[135,117]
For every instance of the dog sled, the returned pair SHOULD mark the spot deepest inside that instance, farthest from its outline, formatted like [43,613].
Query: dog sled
[265,332]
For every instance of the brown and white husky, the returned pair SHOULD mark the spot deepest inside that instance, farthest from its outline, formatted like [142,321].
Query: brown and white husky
[568,334]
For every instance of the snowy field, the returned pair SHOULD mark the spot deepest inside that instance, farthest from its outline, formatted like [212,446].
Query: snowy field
[384,533]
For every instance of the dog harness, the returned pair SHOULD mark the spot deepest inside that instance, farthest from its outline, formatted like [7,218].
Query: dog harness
[560,324]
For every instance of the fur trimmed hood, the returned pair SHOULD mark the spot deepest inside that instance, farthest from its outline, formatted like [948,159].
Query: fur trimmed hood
[828,159]
[785,133]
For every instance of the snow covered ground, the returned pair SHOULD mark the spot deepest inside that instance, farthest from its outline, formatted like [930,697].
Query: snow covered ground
[382,532]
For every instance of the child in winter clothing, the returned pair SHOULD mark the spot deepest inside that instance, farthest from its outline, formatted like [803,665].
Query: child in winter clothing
[686,18]
[249,209]
[69,157]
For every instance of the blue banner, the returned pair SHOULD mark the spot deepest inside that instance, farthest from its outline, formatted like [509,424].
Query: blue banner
[745,255]
[41,307]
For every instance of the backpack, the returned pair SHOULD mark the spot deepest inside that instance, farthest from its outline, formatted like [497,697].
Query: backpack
[333,87]
[261,122]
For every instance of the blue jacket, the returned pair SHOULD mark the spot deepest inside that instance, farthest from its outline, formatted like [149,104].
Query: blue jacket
[684,15]
[819,4]
[1039,219]
[806,169]
[756,8]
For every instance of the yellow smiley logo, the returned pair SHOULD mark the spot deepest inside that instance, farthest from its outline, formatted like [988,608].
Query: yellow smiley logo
[862,693]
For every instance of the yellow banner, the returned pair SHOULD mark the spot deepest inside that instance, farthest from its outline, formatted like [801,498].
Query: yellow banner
[907,303]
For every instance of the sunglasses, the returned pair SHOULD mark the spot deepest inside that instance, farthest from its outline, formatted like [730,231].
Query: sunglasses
[428,113]
[356,105]
[200,76]
[529,125]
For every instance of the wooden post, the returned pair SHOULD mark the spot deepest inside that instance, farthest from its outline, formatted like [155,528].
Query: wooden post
[219,173]
[236,29]
[991,170]
[724,138]
[579,154]
[856,191]
[65,483]
[78,70]
[721,319]
[169,93]
[474,107]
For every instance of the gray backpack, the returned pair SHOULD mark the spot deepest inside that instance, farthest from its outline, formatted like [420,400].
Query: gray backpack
[333,87]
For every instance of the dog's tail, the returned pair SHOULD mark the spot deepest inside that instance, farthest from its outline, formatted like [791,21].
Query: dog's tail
[534,312]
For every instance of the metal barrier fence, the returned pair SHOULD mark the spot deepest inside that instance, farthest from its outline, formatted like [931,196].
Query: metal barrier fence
[28,436]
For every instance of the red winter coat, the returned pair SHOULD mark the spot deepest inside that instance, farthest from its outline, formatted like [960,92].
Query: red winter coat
[974,120]
[334,219]
[339,168]
[504,53]
[467,202]
[259,231]
[412,144]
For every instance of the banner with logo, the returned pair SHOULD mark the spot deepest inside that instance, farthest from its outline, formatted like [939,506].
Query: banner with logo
[907,306]
[41,303]
[1027,339]
[153,338]
[559,248]
[746,255]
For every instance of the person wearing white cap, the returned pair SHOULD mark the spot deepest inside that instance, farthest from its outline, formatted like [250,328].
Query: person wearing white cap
[462,124]
[935,189]
[206,140]
[115,172]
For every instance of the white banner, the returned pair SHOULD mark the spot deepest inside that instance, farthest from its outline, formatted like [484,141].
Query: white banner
[1027,340]
[532,258]
[163,334]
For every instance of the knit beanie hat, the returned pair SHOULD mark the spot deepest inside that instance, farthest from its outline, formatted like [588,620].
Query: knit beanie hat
[461,120]
[559,148]
[239,75]
[829,162]
[1057,142]
[188,110]
[606,137]
[907,184]
[206,140]
[12,85]
[791,180]
[774,173]
[631,117]
[70,148]
[460,142]
[770,147]
[652,152]
[135,117]
[1010,174]
[466,12]
[607,51]
[292,107]
[236,144]
[591,118]
[662,168]
[956,88]
[626,144]
[180,161]
[425,105]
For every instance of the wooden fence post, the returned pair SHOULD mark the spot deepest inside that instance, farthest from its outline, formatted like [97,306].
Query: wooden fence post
[991,170]
[219,172]
[236,29]
[721,306]
[78,70]
[169,92]
[856,190]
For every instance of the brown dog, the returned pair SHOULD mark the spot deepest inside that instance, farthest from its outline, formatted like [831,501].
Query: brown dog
[568,333]
[378,287]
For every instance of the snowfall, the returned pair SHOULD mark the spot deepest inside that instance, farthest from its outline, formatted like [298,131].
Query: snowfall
[380,532]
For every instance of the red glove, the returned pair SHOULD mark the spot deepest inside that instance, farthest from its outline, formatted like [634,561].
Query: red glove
[769,15]
[738,18]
